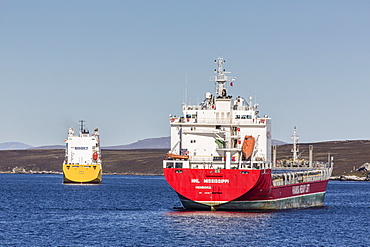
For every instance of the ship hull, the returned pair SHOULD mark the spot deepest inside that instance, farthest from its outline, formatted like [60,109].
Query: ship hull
[82,173]
[260,194]
[294,202]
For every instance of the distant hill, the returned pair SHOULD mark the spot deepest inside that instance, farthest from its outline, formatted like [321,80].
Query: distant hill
[160,143]
[13,146]
[348,157]
[21,146]
[277,143]
[49,147]
[150,143]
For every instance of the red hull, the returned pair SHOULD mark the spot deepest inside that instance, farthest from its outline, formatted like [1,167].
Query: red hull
[233,189]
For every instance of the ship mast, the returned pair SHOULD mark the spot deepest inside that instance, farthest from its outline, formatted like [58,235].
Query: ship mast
[295,149]
[82,126]
[221,78]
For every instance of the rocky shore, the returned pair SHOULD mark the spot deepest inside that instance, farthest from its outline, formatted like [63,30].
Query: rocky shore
[350,178]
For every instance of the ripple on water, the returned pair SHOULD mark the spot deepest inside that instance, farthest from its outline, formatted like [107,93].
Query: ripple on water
[137,211]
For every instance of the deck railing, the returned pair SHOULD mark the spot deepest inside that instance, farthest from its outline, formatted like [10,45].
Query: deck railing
[258,121]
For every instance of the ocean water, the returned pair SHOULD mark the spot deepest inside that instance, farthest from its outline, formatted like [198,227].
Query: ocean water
[38,210]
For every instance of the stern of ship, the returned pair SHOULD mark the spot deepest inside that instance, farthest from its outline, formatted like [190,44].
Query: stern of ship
[207,189]
[82,173]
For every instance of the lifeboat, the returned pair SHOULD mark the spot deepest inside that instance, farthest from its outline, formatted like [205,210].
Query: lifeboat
[248,146]
[176,156]
[95,155]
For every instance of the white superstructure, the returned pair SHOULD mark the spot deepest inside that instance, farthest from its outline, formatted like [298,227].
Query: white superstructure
[212,133]
[82,149]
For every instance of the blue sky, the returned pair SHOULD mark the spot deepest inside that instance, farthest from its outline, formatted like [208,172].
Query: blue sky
[122,66]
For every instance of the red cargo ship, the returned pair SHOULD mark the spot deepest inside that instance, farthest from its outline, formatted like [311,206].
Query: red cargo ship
[221,158]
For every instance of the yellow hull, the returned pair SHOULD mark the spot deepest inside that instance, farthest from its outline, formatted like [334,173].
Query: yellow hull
[82,173]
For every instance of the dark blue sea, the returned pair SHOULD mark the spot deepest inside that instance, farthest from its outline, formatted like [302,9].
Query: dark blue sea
[38,210]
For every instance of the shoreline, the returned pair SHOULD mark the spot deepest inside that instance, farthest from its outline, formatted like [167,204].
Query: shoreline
[333,178]
[61,173]
[350,178]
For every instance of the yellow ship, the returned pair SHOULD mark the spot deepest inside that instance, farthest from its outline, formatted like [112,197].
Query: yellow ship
[82,162]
